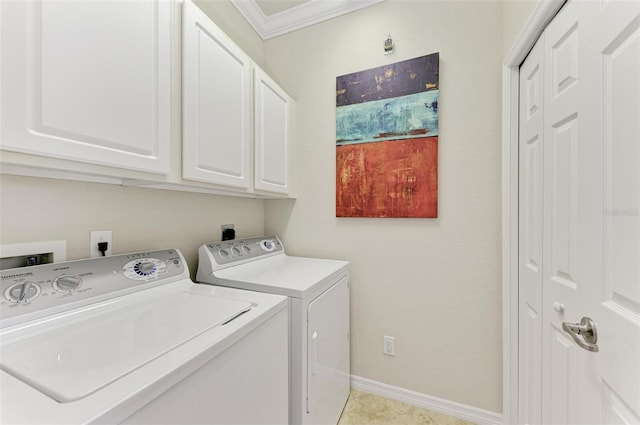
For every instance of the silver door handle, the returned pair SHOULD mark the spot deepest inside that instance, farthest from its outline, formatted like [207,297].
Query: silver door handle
[585,329]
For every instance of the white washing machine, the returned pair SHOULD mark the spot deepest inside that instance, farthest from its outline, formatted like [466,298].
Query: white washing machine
[131,339]
[318,291]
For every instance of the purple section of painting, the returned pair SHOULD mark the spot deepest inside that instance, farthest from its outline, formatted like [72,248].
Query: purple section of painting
[389,81]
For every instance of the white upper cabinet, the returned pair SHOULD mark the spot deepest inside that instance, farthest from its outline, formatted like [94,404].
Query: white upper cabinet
[88,81]
[271,134]
[90,91]
[216,145]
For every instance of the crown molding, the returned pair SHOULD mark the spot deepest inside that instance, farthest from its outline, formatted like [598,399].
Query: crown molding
[298,17]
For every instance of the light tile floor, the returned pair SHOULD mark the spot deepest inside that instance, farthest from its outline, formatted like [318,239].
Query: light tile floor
[368,409]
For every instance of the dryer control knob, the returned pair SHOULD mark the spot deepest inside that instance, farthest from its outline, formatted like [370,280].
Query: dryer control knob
[67,283]
[267,245]
[23,292]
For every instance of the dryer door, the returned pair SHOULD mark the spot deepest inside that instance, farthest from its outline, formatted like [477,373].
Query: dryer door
[328,372]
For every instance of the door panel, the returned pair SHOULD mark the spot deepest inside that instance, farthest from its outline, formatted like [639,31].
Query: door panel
[530,236]
[530,365]
[561,368]
[570,246]
[564,59]
[562,187]
[617,302]
[616,410]
[622,174]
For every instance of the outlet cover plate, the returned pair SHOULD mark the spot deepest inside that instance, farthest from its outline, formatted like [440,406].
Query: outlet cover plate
[100,236]
[389,347]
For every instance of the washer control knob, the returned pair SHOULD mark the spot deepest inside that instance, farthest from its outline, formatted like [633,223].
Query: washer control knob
[267,245]
[224,253]
[67,283]
[22,292]
[146,268]
[246,249]
[236,251]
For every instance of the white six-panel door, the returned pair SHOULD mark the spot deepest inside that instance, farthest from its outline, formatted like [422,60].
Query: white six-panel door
[590,133]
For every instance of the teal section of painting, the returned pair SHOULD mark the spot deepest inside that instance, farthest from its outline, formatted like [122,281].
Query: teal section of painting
[403,117]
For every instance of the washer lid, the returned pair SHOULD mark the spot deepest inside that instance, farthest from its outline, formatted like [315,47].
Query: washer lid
[283,275]
[91,348]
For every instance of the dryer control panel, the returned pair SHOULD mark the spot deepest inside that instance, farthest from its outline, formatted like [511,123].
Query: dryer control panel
[239,251]
[70,284]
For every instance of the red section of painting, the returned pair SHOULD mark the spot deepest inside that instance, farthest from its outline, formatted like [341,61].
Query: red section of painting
[397,178]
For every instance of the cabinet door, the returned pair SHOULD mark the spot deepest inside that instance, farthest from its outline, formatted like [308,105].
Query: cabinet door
[88,81]
[271,135]
[216,104]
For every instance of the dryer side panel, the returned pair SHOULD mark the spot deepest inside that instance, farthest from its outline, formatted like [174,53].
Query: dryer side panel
[328,368]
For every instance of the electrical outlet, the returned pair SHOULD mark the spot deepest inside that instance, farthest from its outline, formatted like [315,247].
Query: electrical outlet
[228,232]
[100,236]
[389,347]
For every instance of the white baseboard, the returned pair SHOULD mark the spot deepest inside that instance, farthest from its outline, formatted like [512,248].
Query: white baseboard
[451,408]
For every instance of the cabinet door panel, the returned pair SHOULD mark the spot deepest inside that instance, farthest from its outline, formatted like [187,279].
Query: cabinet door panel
[271,135]
[216,104]
[88,81]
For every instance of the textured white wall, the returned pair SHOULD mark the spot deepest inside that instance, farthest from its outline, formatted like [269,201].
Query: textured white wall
[514,15]
[433,284]
[35,209]
[231,22]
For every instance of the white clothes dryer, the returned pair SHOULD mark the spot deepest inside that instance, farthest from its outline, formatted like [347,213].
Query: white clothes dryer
[318,292]
[131,339]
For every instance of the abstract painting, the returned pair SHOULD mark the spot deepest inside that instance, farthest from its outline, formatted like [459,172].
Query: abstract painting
[387,140]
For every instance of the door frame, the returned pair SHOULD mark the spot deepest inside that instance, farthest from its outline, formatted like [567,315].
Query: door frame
[542,14]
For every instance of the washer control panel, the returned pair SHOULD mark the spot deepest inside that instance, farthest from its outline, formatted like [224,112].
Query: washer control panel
[32,289]
[241,250]
[144,269]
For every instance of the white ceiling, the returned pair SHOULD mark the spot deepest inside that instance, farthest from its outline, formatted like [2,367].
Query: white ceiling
[271,18]
[271,7]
